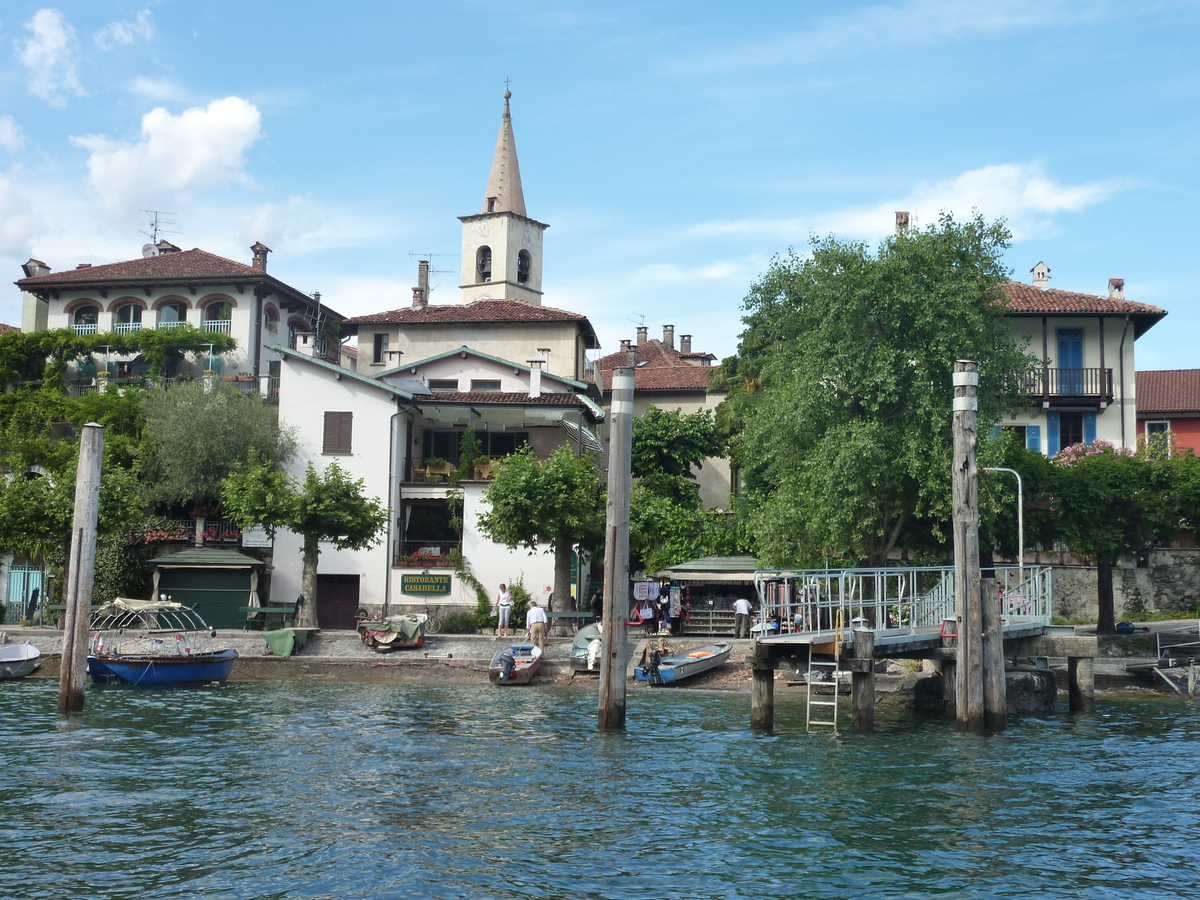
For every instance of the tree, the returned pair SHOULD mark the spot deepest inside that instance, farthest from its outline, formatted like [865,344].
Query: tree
[329,506]
[1112,501]
[668,442]
[847,444]
[197,434]
[558,501]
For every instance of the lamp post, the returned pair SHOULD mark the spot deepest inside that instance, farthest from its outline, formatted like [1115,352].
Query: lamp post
[1020,522]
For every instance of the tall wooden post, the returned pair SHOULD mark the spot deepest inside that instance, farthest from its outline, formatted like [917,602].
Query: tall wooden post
[73,670]
[965,478]
[611,716]
[995,696]
[862,681]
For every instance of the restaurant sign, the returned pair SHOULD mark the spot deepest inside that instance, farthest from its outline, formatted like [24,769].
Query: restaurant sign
[425,584]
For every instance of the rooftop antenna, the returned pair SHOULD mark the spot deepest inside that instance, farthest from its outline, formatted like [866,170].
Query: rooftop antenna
[640,321]
[156,228]
[433,271]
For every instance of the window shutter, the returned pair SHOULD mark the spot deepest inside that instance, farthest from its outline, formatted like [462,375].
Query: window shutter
[997,433]
[337,432]
[1052,447]
[1089,427]
[1033,437]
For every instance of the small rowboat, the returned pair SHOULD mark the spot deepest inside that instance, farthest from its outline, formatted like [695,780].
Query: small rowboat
[19,660]
[163,671]
[515,664]
[678,666]
[151,643]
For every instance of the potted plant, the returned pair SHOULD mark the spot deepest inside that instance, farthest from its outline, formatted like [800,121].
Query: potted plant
[436,462]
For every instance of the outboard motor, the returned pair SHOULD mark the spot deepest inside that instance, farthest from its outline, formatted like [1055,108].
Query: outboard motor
[506,665]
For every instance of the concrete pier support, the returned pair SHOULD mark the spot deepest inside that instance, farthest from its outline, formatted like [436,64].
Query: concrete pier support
[1081,685]
[762,700]
[862,681]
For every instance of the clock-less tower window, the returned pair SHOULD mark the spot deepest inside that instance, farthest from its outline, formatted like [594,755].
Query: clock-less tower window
[524,265]
[483,264]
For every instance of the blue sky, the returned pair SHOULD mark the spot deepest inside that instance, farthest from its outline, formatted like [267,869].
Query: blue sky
[673,147]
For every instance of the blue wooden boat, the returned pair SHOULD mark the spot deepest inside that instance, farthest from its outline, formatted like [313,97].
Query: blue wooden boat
[675,667]
[152,643]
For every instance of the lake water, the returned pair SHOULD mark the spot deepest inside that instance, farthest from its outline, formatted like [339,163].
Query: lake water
[374,791]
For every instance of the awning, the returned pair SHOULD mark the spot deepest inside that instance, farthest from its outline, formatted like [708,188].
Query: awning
[581,435]
[713,568]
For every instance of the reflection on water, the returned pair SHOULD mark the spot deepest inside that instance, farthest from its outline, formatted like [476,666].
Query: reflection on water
[284,790]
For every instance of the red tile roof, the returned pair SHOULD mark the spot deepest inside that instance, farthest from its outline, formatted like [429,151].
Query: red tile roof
[480,311]
[660,368]
[1028,300]
[5,329]
[1168,390]
[559,398]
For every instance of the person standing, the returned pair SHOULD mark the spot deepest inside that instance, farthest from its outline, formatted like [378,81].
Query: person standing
[598,606]
[741,617]
[504,602]
[535,624]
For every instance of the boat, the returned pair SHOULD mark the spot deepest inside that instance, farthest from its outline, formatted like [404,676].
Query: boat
[515,664]
[675,667]
[582,656]
[384,635]
[151,643]
[19,660]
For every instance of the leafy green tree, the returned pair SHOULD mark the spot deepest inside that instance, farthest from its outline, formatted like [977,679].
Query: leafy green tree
[558,501]
[848,441]
[329,506]
[668,442]
[1111,501]
[197,434]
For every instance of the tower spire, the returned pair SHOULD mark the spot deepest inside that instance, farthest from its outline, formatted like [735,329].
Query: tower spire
[504,185]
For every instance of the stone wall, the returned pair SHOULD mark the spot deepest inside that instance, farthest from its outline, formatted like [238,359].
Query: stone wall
[1171,583]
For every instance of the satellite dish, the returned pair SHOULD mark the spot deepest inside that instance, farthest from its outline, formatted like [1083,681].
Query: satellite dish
[149,250]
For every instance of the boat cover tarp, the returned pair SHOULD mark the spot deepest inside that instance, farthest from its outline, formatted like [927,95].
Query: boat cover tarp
[408,627]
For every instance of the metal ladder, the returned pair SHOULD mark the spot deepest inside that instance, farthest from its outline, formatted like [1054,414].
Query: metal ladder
[822,668]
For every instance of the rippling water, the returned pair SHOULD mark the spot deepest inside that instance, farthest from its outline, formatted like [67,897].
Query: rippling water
[285,790]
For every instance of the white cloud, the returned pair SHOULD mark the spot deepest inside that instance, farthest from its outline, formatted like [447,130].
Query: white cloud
[18,221]
[116,33]
[296,226]
[160,89]
[49,54]
[11,138]
[1020,193]
[669,273]
[200,148]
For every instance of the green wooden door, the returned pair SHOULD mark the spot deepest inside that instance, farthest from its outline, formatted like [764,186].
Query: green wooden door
[217,594]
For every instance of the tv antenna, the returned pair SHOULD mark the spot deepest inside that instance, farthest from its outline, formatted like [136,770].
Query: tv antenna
[157,224]
[639,320]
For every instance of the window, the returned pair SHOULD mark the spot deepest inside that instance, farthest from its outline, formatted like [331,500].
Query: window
[524,264]
[87,315]
[130,314]
[379,349]
[1018,432]
[1070,428]
[483,264]
[171,314]
[479,384]
[272,320]
[1158,438]
[337,432]
[444,385]
[219,311]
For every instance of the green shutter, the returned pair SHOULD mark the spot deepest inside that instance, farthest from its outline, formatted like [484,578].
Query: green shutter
[218,593]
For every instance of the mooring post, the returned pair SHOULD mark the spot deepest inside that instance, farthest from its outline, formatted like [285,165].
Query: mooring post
[995,697]
[862,681]
[611,716]
[965,478]
[73,671]
[949,688]
[762,699]
[1081,683]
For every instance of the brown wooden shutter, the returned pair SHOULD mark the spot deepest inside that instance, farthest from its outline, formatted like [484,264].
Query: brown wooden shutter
[336,437]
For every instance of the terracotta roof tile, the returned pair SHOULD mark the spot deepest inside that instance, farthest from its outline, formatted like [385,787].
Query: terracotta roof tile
[194,263]
[479,311]
[660,368]
[561,398]
[5,329]
[1029,300]
[1168,390]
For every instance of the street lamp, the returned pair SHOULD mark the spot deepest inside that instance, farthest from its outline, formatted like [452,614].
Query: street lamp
[1020,522]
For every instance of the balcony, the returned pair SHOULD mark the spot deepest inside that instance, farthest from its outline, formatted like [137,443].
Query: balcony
[162,326]
[217,325]
[1070,387]
[126,327]
[86,329]
[426,554]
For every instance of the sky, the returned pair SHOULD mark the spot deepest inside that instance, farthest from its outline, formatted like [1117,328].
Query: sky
[674,148]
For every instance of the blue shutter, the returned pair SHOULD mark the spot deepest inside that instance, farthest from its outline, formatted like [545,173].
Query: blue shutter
[1052,447]
[1033,437]
[218,365]
[997,433]
[1089,427]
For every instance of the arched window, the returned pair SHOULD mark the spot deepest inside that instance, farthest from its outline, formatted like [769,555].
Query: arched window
[172,314]
[524,263]
[483,264]
[271,318]
[87,320]
[217,316]
[129,318]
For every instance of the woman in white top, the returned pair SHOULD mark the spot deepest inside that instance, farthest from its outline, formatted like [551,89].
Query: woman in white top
[503,609]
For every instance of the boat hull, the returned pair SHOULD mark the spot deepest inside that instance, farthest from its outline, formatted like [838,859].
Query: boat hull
[525,662]
[162,671]
[677,667]
[18,661]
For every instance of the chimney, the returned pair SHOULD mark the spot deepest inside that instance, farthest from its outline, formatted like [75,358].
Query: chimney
[642,334]
[164,247]
[545,351]
[35,267]
[535,377]
[630,353]
[669,336]
[1041,276]
[84,266]
[685,343]
[1116,289]
[260,251]
[901,222]
[421,291]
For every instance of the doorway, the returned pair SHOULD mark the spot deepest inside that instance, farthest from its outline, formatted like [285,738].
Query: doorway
[337,601]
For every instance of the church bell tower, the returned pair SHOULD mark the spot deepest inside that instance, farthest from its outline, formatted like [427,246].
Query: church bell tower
[502,246]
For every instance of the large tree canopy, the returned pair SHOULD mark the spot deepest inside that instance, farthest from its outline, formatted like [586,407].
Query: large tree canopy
[557,501]
[848,441]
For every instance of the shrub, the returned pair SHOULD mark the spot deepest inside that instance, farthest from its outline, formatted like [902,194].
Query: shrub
[460,622]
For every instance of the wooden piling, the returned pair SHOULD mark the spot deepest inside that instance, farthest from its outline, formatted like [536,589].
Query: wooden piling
[72,673]
[611,714]
[949,689]
[862,681]
[762,699]
[995,697]
[965,478]
[1081,683]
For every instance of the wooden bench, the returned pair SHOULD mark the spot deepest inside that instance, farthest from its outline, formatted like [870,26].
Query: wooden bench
[252,611]
[570,614]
